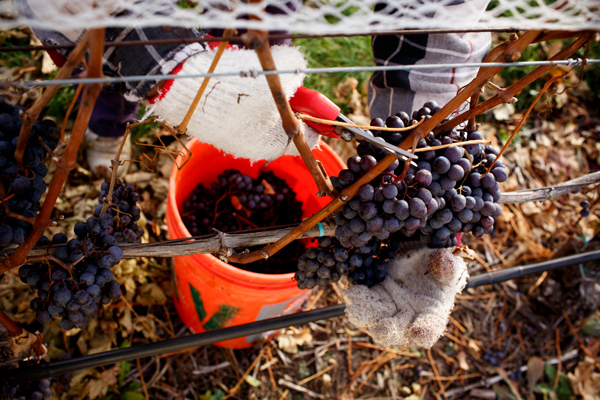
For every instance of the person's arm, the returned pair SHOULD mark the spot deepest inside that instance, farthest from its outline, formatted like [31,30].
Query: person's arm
[394,91]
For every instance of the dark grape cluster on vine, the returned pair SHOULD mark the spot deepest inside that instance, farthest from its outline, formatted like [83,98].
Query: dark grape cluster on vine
[452,189]
[72,286]
[238,202]
[37,390]
[21,188]
[329,261]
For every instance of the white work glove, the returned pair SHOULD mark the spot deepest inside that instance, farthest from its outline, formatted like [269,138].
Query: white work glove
[412,305]
[235,114]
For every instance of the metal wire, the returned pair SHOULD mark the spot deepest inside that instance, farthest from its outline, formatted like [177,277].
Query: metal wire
[43,371]
[255,73]
[279,36]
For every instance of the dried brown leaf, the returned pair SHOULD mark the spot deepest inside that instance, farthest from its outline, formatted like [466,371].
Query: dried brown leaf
[109,376]
[151,293]
[585,382]
[535,372]
[290,339]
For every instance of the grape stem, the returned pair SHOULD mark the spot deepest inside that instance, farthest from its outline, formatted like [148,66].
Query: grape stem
[7,211]
[68,114]
[369,127]
[455,144]
[116,162]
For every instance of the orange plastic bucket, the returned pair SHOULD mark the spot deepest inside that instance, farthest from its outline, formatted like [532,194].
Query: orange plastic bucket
[210,294]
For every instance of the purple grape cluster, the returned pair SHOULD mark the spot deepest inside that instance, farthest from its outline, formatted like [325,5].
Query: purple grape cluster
[237,202]
[73,293]
[23,187]
[451,190]
[31,391]
[38,390]
[329,261]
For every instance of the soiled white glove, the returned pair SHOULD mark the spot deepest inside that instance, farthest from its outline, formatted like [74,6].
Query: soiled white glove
[412,305]
[235,114]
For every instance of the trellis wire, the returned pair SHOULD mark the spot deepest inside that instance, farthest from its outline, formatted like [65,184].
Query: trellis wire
[279,36]
[255,73]
[43,371]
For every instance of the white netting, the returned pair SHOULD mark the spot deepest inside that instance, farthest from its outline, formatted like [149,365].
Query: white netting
[314,16]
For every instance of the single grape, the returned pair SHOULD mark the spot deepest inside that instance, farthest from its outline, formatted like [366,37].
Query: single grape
[441,165]
[366,193]
[458,202]
[417,207]
[500,174]
[453,154]
[488,181]
[465,215]
[367,163]
[390,191]
[456,173]
[423,178]
[401,210]
[367,211]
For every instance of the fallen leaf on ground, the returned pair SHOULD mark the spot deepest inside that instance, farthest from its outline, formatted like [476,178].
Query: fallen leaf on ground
[290,339]
[585,382]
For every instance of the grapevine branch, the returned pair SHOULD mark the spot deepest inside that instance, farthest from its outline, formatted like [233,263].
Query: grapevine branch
[32,114]
[514,88]
[258,41]
[67,160]
[491,57]
[222,243]
[549,192]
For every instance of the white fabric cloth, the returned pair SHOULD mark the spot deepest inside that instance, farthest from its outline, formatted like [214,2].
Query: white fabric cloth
[412,305]
[237,114]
